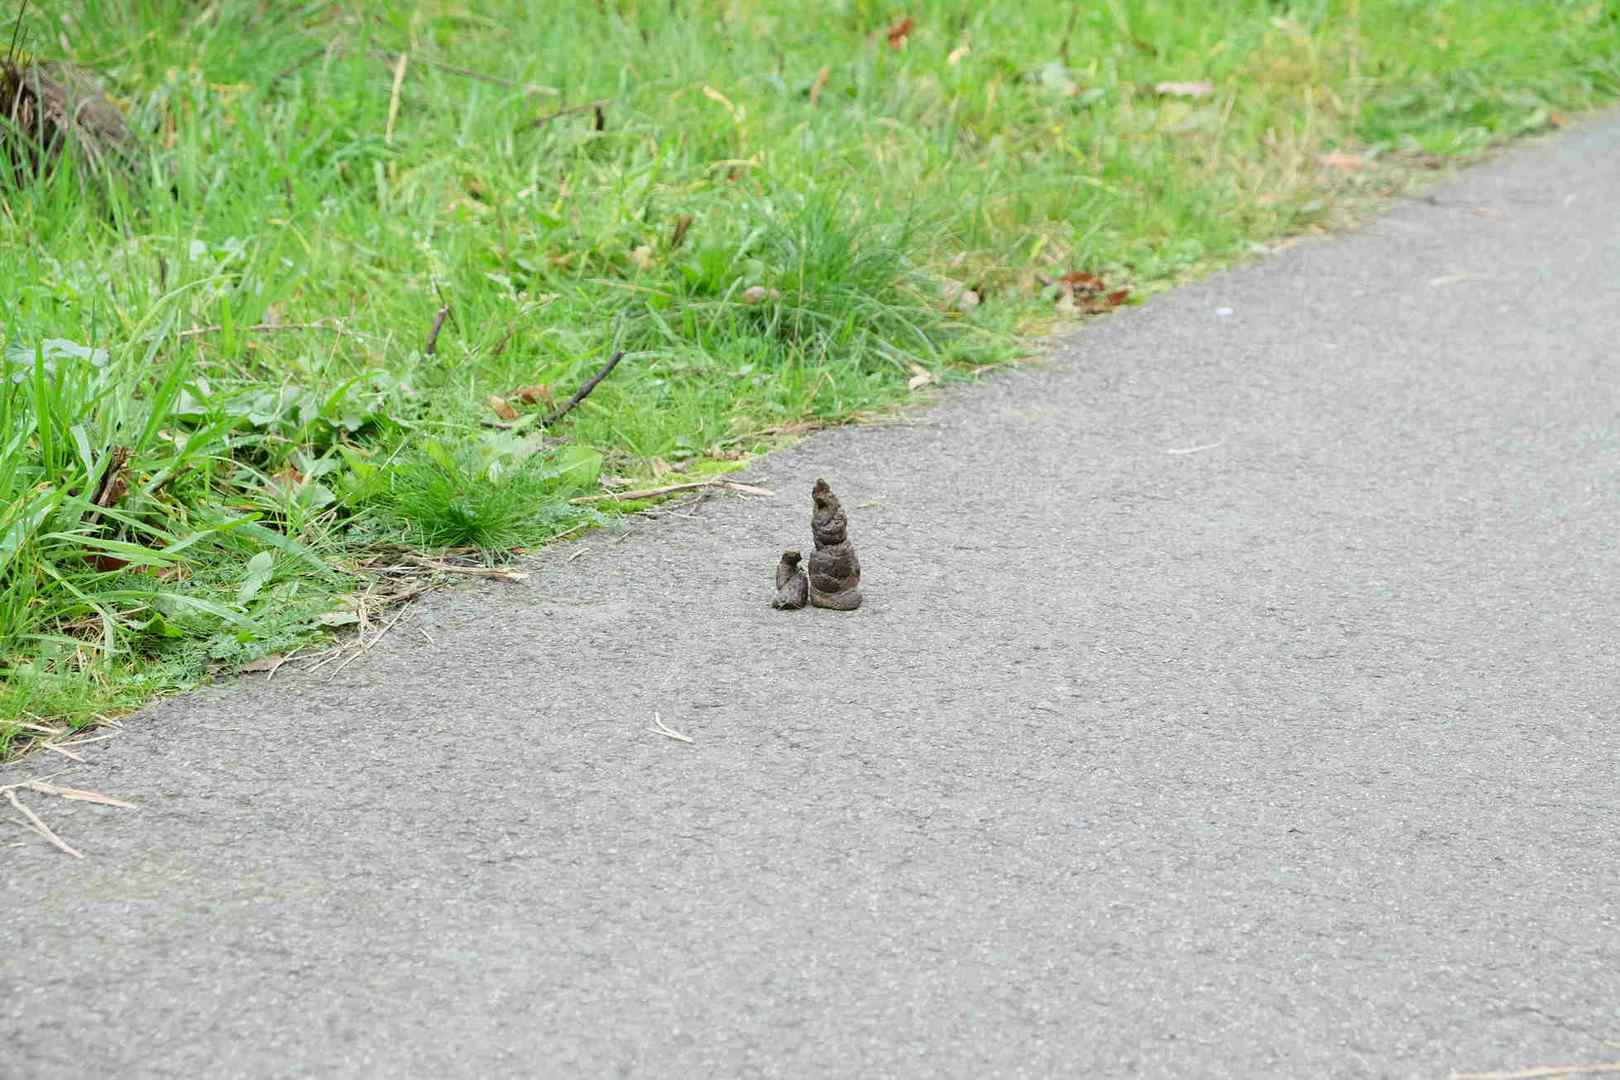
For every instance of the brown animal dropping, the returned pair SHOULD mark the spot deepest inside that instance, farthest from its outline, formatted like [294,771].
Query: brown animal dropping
[835,573]
[792,588]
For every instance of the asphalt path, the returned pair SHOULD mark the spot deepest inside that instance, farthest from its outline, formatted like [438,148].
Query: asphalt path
[1237,693]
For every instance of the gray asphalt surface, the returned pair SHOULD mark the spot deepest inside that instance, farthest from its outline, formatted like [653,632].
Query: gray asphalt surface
[1237,694]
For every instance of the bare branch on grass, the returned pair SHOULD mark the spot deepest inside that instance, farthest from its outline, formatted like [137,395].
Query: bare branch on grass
[584,391]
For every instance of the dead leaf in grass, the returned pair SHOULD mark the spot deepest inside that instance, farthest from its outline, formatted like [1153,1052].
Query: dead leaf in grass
[819,85]
[532,395]
[758,294]
[266,664]
[1345,162]
[500,407]
[958,297]
[899,32]
[289,479]
[1185,89]
[1079,281]
[920,377]
[1081,292]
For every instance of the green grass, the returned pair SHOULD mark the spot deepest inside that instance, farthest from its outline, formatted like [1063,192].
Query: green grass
[762,214]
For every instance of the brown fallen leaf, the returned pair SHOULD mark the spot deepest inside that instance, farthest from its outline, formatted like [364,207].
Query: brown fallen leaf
[1557,120]
[1185,89]
[1344,162]
[266,664]
[819,85]
[531,395]
[289,479]
[1117,297]
[1079,281]
[899,32]
[500,407]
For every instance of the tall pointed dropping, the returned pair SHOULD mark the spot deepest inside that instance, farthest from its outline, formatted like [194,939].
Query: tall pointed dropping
[834,571]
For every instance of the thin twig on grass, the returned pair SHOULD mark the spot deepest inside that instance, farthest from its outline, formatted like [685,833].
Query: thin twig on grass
[670,489]
[592,106]
[433,335]
[296,64]
[389,57]
[660,728]
[42,828]
[477,76]
[584,391]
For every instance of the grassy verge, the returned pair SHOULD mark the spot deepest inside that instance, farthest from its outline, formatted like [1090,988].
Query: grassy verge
[775,209]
